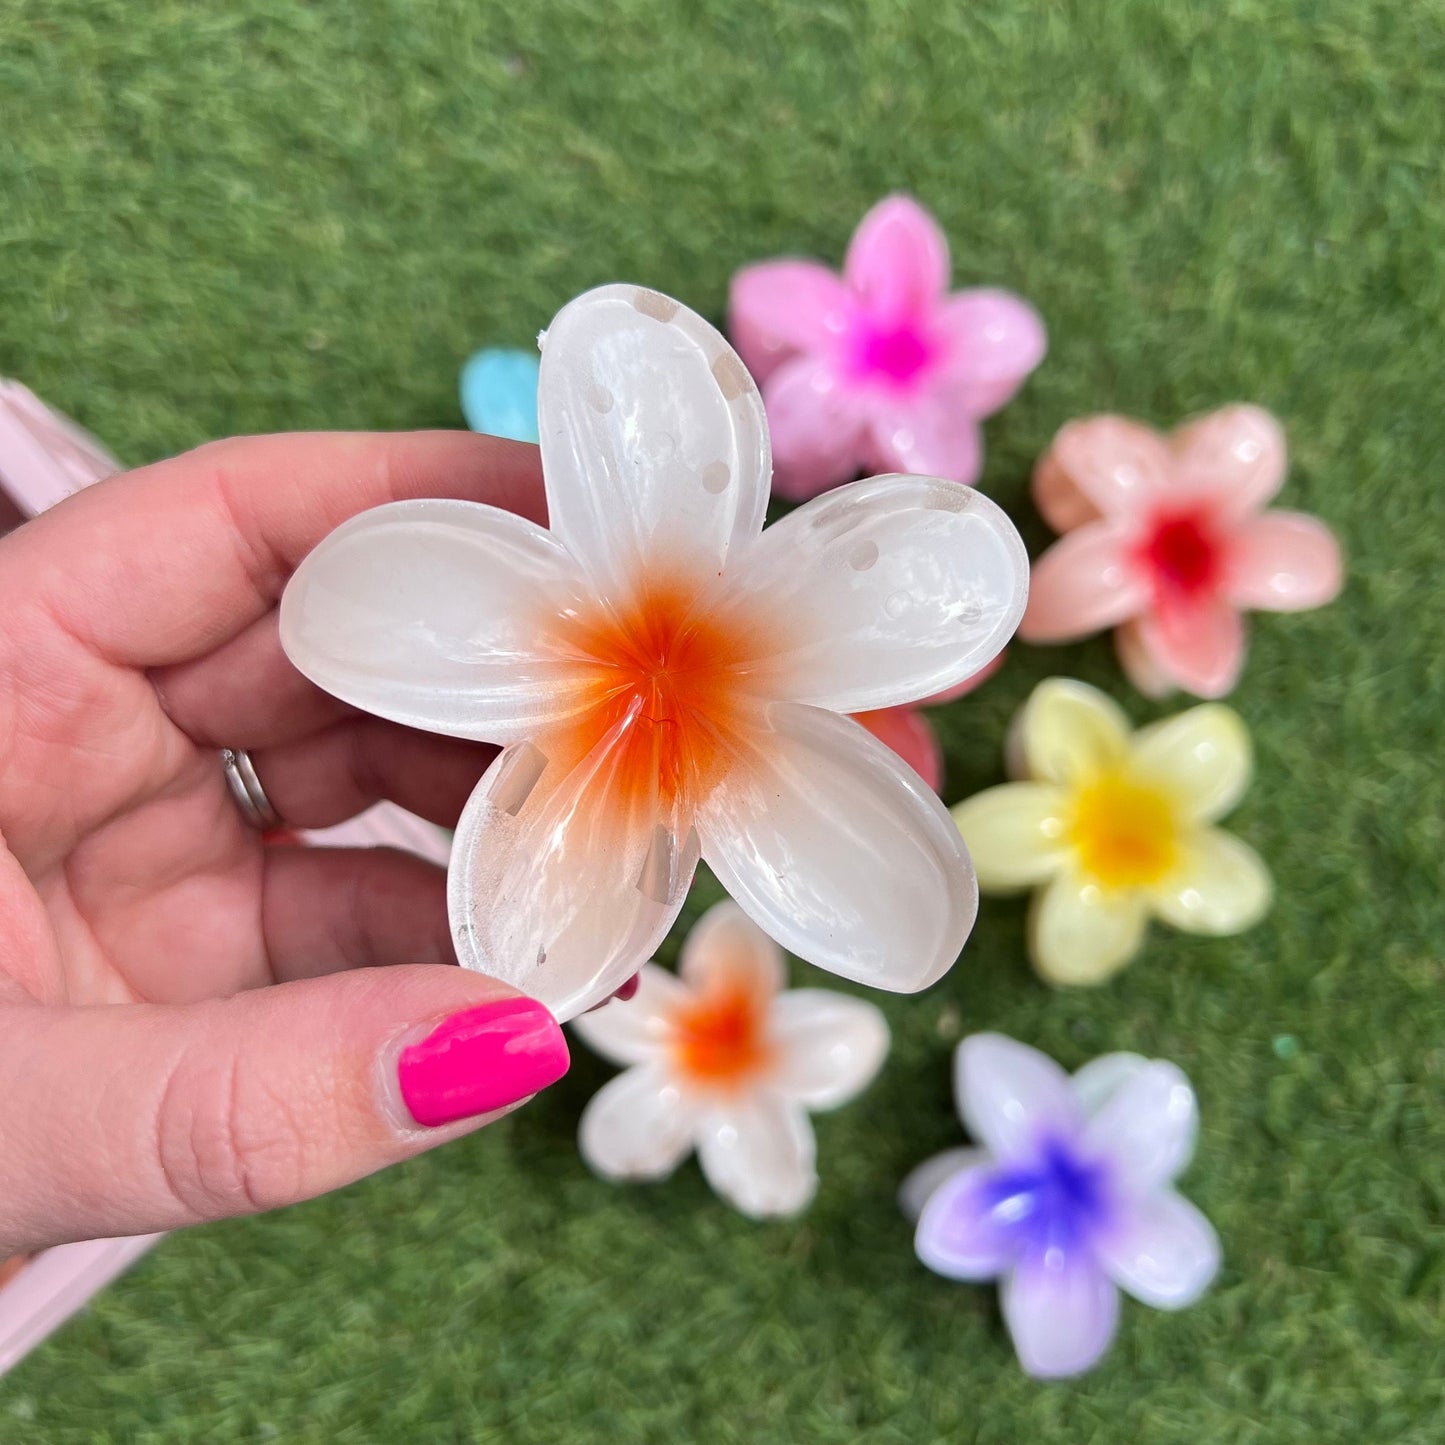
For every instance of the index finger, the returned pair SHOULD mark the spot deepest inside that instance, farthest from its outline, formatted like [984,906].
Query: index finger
[167,562]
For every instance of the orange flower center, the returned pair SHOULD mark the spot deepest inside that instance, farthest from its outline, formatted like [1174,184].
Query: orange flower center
[720,1038]
[1125,832]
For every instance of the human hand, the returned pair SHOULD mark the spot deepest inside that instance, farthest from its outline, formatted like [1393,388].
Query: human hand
[188,1025]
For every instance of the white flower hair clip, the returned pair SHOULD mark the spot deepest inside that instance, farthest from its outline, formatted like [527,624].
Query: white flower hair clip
[667,679]
[724,1060]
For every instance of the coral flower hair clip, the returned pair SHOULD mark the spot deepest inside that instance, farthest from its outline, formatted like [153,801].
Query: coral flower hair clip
[666,678]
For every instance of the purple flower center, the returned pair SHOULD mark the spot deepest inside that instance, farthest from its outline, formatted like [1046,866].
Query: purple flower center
[893,353]
[1058,1201]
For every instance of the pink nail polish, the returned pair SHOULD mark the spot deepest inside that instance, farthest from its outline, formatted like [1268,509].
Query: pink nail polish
[482,1059]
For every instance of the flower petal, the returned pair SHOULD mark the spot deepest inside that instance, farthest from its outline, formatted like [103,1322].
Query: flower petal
[725,941]
[897,262]
[779,308]
[1015,834]
[1066,732]
[758,1153]
[1062,1311]
[887,590]
[558,885]
[1146,1128]
[1134,645]
[499,393]
[926,435]
[633,1030]
[1010,1096]
[911,736]
[816,427]
[1164,1251]
[969,684]
[830,1046]
[1284,562]
[637,1126]
[840,851]
[1202,756]
[1096,1082]
[434,613]
[1116,464]
[1236,455]
[1199,646]
[1221,886]
[1081,585]
[1081,934]
[654,442]
[921,1182]
[995,340]
[959,1234]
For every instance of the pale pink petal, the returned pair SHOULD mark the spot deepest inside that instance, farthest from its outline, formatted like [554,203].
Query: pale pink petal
[995,339]
[1235,455]
[1119,466]
[758,1153]
[830,1047]
[1284,562]
[960,1234]
[654,441]
[632,1030]
[779,308]
[1147,1126]
[929,435]
[816,425]
[1199,647]
[1163,1251]
[969,684]
[726,946]
[1083,584]
[1133,643]
[897,261]
[637,1126]
[1011,1096]
[911,736]
[1059,501]
[840,851]
[921,1182]
[1062,1311]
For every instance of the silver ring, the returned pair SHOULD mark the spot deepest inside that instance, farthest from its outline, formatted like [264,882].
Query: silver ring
[246,789]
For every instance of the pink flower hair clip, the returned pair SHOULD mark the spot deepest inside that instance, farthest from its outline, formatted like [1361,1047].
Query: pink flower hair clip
[667,679]
[879,369]
[1167,542]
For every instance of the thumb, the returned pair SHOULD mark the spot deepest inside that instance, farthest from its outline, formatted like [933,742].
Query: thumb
[122,1119]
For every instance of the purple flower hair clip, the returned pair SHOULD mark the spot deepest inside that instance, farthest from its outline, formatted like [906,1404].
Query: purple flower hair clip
[1069,1197]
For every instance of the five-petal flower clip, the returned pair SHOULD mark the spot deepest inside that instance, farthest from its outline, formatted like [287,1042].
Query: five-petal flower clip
[1166,541]
[667,679]
[1113,827]
[1067,1198]
[722,1060]
[879,369]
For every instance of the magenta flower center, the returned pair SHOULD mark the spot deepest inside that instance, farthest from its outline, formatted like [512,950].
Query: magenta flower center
[892,353]
[1183,555]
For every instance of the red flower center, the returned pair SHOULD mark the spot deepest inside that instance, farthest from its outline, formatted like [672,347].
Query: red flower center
[894,353]
[1183,556]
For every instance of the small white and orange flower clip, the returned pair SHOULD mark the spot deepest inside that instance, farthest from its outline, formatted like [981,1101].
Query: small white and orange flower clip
[722,1059]
[668,681]
[1113,827]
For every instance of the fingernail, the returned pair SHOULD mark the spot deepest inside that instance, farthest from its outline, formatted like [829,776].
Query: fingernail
[480,1060]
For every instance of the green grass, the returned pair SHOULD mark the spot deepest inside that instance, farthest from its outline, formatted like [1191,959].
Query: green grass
[306,215]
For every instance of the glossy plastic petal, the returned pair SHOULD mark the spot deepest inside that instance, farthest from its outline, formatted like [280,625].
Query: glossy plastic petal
[920,1184]
[633,1030]
[499,393]
[1059,501]
[911,736]
[1202,757]
[1146,1128]
[758,1153]
[436,614]
[1066,732]
[559,885]
[830,1047]
[654,442]
[779,308]
[1083,584]
[1010,1096]
[1284,562]
[1134,649]
[1120,466]
[637,1126]
[1081,934]
[1221,886]
[1062,1311]
[840,851]
[1201,648]
[1163,1251]
[897,262]
[887,591]
[817,427]
[1096,1082]
[927,435]
[726,945]
[995,339]
[1016,834]
[1235,455]
[960,1234]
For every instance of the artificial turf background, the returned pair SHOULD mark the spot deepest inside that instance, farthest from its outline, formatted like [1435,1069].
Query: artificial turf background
[276,215]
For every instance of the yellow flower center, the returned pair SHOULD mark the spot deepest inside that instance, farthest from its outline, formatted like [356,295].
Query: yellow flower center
[1125,832]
